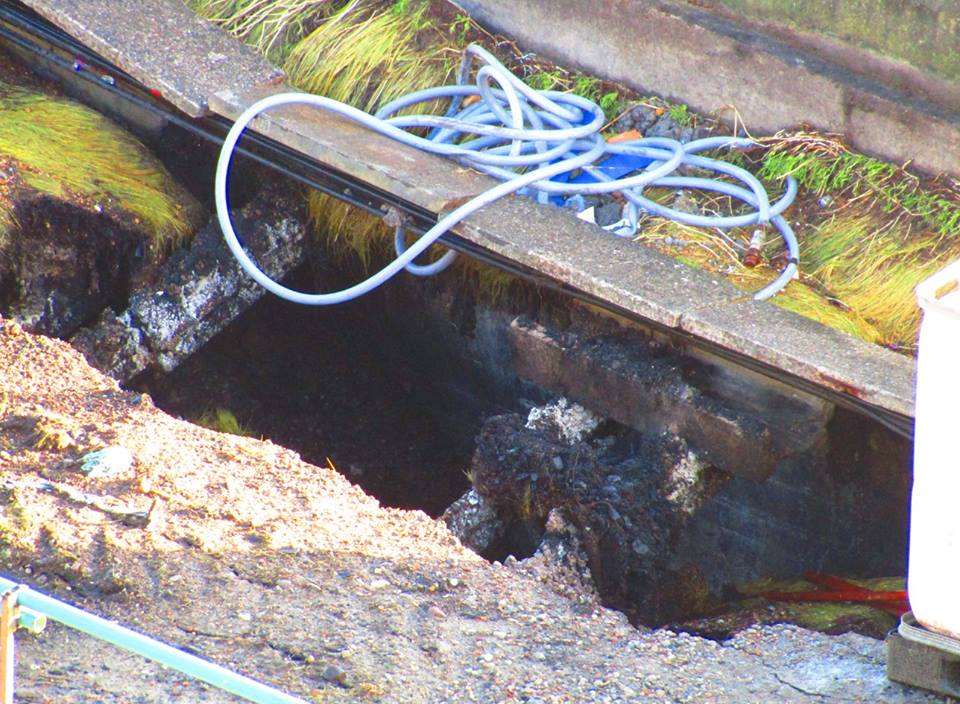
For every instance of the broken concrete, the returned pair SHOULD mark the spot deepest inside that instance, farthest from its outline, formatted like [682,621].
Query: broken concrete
[627,496]
[198,292]
[474,522]
[667,533]
[641,386]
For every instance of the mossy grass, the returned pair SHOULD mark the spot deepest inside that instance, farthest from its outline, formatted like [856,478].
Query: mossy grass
[877,230]
[67,150]
[825,617]
[824,165]
[223,421]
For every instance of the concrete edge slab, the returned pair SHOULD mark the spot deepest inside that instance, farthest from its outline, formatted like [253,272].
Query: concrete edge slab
[166,46]
[809,350]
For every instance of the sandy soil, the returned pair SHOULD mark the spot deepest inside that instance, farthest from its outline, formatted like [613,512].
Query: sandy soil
[285,571]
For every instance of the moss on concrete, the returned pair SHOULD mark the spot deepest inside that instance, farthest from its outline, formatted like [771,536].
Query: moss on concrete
[924,33]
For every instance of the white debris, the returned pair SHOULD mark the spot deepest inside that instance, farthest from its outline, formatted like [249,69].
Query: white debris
[572,421]
[112,461]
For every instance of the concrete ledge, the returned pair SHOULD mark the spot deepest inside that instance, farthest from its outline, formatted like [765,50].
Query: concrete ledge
[164,45]
[623,378]
[715,63]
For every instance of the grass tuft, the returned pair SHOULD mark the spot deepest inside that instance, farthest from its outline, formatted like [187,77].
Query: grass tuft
[223,421]
[272,26]
[63,148]
[824,165]
[368,59]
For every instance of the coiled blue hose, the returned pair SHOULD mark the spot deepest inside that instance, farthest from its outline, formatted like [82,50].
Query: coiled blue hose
[532,141]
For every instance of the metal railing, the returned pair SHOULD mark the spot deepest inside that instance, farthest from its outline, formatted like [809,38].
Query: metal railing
[22,608]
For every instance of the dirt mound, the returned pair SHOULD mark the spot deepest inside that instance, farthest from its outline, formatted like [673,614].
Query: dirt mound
[235,549]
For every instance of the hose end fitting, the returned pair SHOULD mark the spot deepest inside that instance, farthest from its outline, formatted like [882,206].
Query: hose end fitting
[753,257]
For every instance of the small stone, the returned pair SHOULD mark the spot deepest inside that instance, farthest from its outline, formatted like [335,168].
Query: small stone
[112,461]
[334,675]
[453,582]
[436,612]
[379,584]
[244,616]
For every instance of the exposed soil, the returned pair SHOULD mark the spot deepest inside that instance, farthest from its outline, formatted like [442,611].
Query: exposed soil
[245,554]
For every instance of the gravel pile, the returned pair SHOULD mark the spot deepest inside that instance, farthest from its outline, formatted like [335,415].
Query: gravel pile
[285,571]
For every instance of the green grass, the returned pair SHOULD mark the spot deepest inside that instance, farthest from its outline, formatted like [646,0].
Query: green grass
[680,114]
[461,28]
[826,168]
[65,149]
[589,87]
[223,421]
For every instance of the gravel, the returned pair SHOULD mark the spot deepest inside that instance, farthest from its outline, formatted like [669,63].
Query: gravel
[287,572]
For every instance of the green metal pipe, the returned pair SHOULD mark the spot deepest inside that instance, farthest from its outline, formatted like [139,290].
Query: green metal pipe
[126,639]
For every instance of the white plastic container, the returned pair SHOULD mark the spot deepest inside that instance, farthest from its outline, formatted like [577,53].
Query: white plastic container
[934,572]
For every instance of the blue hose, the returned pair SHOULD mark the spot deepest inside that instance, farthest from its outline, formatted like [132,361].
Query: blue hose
[532,141]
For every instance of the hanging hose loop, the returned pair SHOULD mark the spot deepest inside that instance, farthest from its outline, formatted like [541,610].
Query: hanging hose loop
[538,143]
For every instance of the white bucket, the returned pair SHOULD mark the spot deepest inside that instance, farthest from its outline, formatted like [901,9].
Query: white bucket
[934,573]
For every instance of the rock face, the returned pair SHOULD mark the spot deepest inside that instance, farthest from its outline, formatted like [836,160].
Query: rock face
[666,533]
[198,292]
[627,496]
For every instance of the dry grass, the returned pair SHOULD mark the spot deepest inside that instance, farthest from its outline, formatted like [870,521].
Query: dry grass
[272,26]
